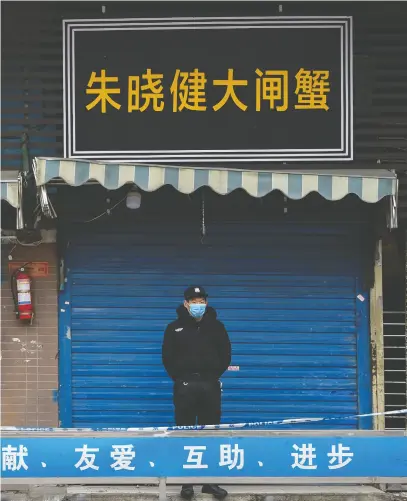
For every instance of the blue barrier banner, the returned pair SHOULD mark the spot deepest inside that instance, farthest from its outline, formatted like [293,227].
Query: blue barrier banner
[295,456]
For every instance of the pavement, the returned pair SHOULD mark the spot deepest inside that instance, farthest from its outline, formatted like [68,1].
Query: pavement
[236,493]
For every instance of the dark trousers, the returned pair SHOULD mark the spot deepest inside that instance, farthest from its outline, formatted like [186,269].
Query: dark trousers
[197,402]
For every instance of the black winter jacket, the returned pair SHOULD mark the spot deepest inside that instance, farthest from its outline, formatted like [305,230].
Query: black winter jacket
[192,347]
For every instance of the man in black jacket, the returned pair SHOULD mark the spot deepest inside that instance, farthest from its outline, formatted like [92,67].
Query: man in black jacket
[196,352]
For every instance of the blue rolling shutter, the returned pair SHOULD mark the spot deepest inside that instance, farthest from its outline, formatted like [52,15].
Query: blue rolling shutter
[286,293]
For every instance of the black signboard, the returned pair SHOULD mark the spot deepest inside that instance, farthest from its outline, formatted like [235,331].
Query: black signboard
[209,89]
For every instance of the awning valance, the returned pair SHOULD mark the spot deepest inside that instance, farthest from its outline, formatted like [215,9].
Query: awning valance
[369,185]
[11,188]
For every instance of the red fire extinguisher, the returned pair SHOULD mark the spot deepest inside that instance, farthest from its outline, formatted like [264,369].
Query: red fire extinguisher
[21,290]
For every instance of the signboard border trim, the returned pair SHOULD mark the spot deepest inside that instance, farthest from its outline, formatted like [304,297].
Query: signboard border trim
[344,23]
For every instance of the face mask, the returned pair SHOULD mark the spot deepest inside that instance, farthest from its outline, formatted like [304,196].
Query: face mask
[197,310]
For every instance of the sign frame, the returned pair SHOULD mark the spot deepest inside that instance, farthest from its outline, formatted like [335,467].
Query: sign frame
[343,154]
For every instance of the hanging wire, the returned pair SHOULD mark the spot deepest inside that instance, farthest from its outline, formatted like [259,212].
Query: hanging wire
[106,212]
[10,254]
[203,227]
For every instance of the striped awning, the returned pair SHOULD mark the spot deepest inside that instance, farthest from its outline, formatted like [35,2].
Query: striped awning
[369,185]
[11,188]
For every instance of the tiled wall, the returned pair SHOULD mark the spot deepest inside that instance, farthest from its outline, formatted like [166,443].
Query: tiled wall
[29,365]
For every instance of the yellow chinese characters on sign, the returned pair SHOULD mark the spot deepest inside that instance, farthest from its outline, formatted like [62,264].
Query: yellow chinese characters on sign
[312,89]
[230,93]
[103,92]
[141,97]
[188,91]
[272,86]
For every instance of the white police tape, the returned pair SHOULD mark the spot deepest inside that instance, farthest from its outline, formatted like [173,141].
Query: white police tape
[239,426]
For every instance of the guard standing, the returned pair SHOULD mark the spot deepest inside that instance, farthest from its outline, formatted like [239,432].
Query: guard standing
[196,352]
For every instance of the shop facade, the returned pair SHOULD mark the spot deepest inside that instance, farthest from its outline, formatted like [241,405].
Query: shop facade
[287,249]
[292,289]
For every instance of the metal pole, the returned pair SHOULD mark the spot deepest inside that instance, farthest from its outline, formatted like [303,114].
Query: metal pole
[25,157]
[20,208]
[162,489]
[405,317]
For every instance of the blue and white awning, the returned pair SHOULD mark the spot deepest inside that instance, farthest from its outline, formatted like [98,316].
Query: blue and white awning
[369,185]
[11,188]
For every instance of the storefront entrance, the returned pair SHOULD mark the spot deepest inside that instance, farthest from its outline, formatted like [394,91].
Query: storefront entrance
[290,295]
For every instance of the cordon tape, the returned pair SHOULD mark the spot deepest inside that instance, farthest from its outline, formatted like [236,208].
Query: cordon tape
[239,426]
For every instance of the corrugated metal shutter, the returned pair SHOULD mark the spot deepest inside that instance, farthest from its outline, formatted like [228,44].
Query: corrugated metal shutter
[287,294]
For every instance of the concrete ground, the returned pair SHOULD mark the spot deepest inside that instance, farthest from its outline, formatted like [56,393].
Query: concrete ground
[236,493]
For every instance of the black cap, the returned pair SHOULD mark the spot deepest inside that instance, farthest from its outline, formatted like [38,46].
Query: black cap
[194,292]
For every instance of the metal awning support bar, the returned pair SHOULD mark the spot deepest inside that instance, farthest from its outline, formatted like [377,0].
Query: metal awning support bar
[12,192]
[45,202]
